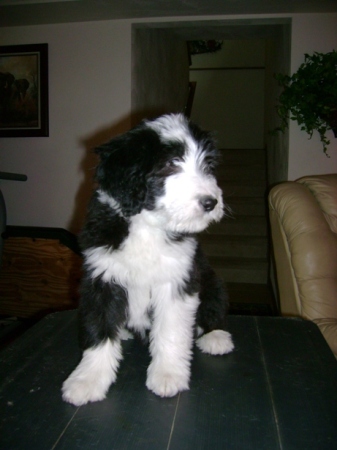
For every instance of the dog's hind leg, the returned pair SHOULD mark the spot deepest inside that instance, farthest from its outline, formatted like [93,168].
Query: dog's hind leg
[102,317]
[171,341]
[211,322]
[212,311]
[216,342]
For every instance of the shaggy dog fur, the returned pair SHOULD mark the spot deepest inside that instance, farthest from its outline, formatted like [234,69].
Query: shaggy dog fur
[143,268]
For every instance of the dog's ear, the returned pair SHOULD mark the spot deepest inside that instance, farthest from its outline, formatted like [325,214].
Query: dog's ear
[125,163]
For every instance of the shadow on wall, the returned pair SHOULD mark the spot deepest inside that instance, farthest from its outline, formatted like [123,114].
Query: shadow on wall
[90,161]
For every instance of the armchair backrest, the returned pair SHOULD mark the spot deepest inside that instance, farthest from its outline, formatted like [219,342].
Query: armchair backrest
[303,217]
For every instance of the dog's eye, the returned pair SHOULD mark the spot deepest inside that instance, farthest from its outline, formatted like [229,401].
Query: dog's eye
[173,162]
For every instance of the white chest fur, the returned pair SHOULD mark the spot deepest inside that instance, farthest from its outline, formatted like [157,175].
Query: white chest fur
[146,258]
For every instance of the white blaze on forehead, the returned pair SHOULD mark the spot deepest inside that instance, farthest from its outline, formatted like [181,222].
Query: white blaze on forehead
[180,206]
[174,127]
[171,127]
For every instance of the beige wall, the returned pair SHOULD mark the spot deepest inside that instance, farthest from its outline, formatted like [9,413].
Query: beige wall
[277,144]
[90,100]
[230,101]
[159,73]
[311,33]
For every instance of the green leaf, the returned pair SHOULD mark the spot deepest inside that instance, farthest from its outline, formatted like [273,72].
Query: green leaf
[309,95]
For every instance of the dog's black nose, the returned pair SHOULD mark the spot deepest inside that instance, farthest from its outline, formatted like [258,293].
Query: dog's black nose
[208,203]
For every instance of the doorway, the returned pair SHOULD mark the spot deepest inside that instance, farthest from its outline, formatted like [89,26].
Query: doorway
[161,72]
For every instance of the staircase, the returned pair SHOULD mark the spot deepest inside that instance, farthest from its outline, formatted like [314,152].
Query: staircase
[237,247]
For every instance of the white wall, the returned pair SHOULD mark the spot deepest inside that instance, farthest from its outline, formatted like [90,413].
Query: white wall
[311,33]
[89,101]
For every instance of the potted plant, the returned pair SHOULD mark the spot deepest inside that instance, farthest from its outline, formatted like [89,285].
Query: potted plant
[309,96]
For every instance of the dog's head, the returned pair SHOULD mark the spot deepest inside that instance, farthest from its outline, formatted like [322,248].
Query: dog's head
[165,167]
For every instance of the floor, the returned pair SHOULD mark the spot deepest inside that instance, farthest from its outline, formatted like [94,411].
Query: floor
[267,394]
[13,327]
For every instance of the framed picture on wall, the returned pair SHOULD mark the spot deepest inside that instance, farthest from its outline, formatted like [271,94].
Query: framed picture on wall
[24,90]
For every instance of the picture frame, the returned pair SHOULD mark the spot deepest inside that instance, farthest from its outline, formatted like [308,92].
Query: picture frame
[24,108]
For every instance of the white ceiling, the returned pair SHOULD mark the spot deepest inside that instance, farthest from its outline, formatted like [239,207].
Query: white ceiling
[31,12]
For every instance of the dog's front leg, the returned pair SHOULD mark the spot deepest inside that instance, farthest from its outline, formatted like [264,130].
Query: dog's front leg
[102,318]
[91,379]
[171,341]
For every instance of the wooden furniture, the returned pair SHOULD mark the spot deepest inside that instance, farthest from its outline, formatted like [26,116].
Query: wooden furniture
[3,211]
[277,390]
[40,271]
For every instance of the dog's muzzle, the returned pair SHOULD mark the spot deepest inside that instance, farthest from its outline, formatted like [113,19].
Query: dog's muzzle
[208,203]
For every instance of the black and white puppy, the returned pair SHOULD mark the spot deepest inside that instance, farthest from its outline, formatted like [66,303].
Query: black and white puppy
[143,268]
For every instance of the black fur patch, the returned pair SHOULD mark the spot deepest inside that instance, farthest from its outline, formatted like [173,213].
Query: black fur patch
[103,310]
[104,227]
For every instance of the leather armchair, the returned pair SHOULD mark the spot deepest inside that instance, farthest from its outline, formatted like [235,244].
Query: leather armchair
[303,218]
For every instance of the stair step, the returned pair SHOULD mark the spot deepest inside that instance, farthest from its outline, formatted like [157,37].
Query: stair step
[238,246]
[241,270]
[240,226]
[234,246]
[245,188]
[255,206]
[239,172]
[243,156]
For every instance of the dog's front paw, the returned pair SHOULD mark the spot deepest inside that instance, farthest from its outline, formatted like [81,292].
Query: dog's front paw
[165,383]
[217,342]
[79,391]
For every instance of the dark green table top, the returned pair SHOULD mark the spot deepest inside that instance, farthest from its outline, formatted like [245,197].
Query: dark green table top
[277,390]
